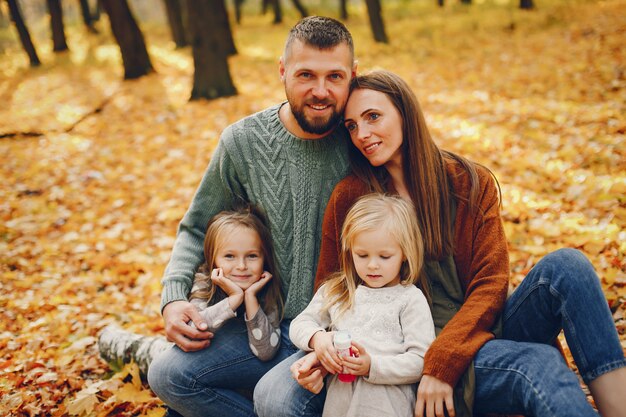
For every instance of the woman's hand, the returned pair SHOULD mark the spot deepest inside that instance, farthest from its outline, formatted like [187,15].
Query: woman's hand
[309,373]
[232,290]
[322,344]
[433,395]
[359,364]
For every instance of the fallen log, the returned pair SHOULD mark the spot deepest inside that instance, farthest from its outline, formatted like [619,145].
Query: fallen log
[119,347]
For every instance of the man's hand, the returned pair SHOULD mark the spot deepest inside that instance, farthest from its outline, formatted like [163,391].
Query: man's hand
[176,315]
[360,363]
[433,395]
[322,344]
[309,373]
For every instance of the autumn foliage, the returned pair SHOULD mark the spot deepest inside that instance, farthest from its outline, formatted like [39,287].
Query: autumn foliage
[96,172]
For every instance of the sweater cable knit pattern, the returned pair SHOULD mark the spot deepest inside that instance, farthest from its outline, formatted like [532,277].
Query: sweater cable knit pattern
[290,179]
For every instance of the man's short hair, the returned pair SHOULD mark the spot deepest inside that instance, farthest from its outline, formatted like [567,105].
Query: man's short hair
[321,32]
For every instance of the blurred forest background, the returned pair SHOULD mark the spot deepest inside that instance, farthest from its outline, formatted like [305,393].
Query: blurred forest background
[102,148]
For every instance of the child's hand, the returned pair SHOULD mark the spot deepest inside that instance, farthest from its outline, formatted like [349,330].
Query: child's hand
[257,286]
[309,373]
[359,364]
[232,290]
[251,302]
[322,344]
[229,287]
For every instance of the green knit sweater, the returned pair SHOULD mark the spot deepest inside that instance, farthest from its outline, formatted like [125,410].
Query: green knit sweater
[290,179]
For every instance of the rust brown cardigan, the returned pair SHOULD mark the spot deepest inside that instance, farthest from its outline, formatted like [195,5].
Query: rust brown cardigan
[480,255]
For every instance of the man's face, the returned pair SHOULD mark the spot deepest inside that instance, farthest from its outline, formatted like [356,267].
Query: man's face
[316,84]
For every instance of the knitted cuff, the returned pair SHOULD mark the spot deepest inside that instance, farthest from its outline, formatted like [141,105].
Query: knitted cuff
[173,291]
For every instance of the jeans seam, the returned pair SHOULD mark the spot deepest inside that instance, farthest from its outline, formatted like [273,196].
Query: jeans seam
[224,399]
[601,370]
[538,394]
[572,332]
[222,365]
[516,307]
[306,403]
[540,283]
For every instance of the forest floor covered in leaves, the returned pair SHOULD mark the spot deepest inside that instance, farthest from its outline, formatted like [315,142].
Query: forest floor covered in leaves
[96,172]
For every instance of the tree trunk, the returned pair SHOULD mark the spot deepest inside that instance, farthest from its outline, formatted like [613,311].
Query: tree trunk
[223,25]
[121,347]
[374,11]
[129,37]
[56,23]
[526,4]
[22,30]
[238,4]
[175,19]
[440,3]
[97,11]
[300,7]
[4,22]
[343,9]
[278,12]
[211,78]
[87,17]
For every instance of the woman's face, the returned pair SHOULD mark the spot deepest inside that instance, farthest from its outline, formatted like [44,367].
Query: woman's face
[375,126]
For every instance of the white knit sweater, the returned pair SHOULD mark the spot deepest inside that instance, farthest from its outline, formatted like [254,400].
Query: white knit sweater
[395,327]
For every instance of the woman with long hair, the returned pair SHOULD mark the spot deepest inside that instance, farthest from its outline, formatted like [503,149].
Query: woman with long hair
[493,354]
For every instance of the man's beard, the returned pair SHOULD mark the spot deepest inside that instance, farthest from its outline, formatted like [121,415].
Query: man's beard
[316,126]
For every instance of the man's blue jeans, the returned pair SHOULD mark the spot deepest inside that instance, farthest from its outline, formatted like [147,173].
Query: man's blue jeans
[205,383]
[522,373]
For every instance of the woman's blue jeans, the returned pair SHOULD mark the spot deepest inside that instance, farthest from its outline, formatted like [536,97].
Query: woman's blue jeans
[206,382]
[522,373]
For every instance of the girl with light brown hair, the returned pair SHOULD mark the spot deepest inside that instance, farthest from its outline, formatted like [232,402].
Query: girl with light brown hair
[376,298]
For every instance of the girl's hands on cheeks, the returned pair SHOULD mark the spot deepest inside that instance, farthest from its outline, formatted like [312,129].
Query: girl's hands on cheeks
[322,344]
[250,295]
[359,364]
[433,396]
[257,286]
[232,290]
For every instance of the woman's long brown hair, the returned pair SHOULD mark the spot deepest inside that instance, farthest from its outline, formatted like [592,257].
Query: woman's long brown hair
[423,165]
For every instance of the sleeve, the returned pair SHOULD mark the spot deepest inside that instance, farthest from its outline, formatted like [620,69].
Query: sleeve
[346,192]
[419,332]
[264,337]
[200,284]
[486,290]
[217,314]
[309,322]
[217,191]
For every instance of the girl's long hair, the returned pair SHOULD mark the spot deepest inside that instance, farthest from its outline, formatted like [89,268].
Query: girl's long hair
[377,212]
[423,165]
[224,224]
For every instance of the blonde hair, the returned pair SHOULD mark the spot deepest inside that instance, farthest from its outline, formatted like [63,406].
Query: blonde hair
[373,212]
[224,224]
